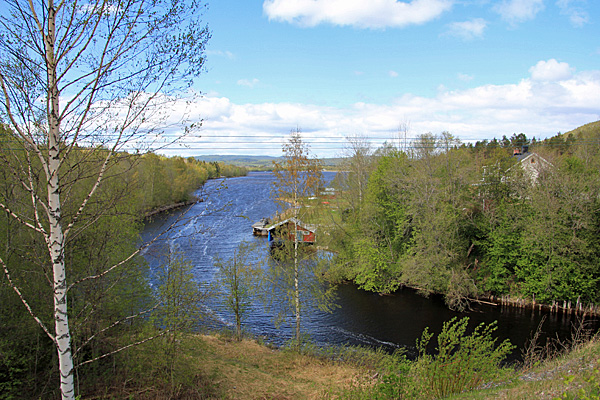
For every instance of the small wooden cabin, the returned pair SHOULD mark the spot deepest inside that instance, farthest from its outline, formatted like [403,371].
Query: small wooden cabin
[285,230]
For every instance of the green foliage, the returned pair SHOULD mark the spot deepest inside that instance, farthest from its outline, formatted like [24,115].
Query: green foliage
[373,267]
[180,296]
[462,361]
[501,248]
[370,245]
[179,311]
[590,391]
[466,220]
[237,279]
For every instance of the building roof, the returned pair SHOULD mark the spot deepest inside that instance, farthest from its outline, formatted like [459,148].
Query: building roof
[531,163]
[306,227]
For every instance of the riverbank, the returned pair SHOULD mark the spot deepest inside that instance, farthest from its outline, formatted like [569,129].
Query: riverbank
[217,367]
[571,374]
[556,307]
[171,207]
[193,200]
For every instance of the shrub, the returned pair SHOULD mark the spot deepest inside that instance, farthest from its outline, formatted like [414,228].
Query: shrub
[463,361]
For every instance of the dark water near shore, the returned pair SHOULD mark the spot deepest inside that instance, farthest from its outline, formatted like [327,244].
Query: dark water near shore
[215,227]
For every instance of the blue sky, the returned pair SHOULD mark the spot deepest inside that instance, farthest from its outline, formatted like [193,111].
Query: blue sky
[336,68]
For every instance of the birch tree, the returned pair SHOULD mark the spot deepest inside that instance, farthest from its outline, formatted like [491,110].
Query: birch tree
[237,281]
[82,82]
[297,177]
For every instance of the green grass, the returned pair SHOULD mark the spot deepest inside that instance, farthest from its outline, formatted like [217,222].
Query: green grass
[218,367]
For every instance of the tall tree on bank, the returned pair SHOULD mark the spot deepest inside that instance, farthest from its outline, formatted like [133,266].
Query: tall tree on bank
[237,281]
[357,166]
[85,82]
[297,177]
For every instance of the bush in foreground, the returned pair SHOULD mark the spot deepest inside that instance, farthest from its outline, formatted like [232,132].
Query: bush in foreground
[462,361]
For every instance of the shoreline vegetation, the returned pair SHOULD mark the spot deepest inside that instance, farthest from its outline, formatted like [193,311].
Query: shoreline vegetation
[471,221]
[217,366]
[480,246]
[467,252]
[172,207]
[564,307]
[166,183]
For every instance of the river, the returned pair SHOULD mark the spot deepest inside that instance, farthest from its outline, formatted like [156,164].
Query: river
[216,226]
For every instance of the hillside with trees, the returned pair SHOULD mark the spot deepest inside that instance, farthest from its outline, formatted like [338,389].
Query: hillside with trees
[470,220]
[105,312]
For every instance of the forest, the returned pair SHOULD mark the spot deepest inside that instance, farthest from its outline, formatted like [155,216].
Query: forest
[107,313]
[91,92]
[473,220]
[438,215]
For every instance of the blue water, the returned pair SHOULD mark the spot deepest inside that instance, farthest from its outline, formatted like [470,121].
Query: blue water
[215,227]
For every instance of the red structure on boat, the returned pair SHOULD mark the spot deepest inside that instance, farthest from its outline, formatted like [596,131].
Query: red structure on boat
[286,229]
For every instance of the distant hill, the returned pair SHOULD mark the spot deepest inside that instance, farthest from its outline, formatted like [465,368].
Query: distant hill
[259,162]
[587,130]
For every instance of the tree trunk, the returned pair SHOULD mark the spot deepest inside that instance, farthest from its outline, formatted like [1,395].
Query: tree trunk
[56,249]
[296,279]
[56,237]
[296,285]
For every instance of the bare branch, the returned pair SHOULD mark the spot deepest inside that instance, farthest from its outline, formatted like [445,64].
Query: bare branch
[89,195]
[21,220]
[25,303]
[132,255]
[130,317]
[17,127]
[124,348]
[34,197]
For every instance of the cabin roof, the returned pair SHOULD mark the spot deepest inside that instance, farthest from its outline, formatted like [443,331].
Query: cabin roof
[262,223]
[306,227]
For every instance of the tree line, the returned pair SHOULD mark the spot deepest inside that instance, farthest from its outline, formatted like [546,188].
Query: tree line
[106,309]
[169,180]
[469,220]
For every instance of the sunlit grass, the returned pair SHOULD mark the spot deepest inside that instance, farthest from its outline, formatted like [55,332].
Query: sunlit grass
[218,367]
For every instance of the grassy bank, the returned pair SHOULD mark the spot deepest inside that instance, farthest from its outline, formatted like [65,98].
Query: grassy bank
[217,367]
[573,374]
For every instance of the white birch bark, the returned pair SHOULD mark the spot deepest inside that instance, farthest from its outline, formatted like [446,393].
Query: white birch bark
[297,177]
[56,237]
[114,65]
[296,272]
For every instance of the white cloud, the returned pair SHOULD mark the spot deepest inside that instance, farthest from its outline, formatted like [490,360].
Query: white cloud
[550,70]
[467,30]
[248,83]
[465,77]
[574,9]
[393,74]
[515,11]
[358,13]
[221,53]
[554,98]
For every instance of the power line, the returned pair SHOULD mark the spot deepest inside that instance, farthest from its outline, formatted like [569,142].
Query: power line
[321,143]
